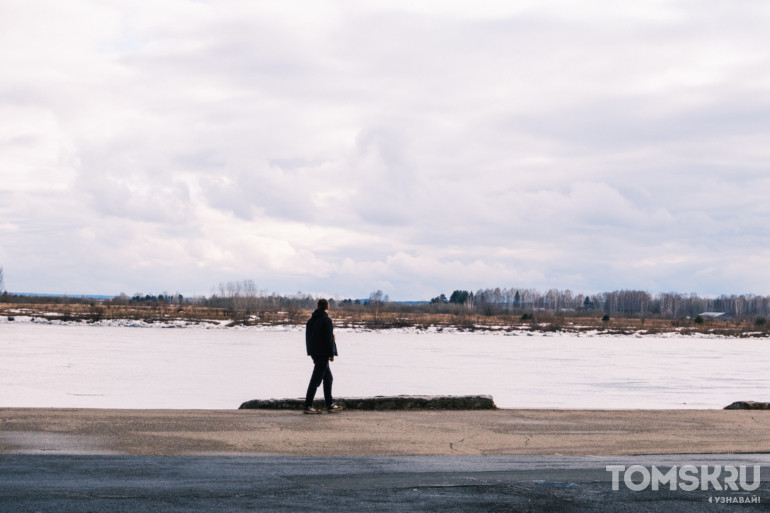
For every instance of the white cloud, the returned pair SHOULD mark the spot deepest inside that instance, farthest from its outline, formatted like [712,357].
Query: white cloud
[417,148]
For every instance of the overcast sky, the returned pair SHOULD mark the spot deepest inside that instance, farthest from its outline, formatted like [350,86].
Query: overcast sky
[415,147]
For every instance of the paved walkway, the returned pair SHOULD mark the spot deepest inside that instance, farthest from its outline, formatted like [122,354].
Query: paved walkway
[355,433]
[71,460]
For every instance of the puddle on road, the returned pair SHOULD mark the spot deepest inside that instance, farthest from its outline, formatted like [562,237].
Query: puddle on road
[41,442]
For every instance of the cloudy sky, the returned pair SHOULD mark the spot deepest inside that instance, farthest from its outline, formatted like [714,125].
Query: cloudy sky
[340,147]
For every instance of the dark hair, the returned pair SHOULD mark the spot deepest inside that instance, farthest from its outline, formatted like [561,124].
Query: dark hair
[323,304]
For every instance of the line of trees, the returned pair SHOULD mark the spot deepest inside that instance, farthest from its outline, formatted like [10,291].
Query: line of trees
[243,300]
[627,303]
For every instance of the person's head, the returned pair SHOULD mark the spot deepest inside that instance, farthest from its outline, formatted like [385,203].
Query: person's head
[323,304]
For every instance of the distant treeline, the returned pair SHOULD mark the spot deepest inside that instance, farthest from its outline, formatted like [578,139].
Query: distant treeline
[622,303]
[242,299]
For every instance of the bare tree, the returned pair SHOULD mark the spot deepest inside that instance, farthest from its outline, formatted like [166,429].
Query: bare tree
[375,304]
[240,297]
[2,280]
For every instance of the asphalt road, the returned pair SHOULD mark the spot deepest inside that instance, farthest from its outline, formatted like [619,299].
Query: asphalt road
[88,483]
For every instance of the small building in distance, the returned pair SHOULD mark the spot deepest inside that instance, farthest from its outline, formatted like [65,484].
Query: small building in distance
[714,315]
[710,317]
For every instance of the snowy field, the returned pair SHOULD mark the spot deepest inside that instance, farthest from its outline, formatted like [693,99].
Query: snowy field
[85,366]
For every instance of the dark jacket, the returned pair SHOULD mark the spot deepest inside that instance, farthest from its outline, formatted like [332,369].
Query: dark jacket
[319,335]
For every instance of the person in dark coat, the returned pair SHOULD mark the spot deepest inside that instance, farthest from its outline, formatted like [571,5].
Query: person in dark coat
[321,346]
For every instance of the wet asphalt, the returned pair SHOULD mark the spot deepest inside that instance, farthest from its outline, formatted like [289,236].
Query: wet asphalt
[87,483]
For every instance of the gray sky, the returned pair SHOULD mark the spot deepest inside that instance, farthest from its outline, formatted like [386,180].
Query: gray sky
[415,147]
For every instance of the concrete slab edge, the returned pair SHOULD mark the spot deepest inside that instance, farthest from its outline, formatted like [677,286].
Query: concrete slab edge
[383,403]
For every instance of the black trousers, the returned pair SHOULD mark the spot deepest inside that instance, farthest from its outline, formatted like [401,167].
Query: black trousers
[321,373]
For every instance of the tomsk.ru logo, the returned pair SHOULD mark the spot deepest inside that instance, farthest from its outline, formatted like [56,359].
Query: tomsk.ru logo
[687,478]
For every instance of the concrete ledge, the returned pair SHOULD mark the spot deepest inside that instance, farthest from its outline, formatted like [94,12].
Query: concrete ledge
[748,405]
[382,403]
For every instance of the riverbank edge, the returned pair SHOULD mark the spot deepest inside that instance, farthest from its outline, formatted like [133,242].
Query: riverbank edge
[536,329]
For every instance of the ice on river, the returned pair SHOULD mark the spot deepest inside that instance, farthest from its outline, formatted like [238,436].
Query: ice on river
[120,367]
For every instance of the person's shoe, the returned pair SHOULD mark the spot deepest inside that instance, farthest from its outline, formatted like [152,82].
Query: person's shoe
[311,411]
[333,408]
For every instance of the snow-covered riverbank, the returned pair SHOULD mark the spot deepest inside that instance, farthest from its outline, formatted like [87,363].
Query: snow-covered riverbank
[526,330]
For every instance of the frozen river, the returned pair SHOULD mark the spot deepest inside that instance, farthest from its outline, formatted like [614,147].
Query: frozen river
[116,367]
